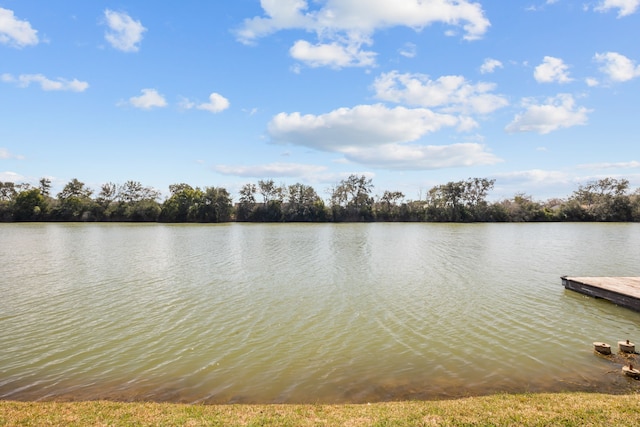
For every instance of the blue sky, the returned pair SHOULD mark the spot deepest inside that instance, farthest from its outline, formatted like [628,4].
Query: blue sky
[541,96]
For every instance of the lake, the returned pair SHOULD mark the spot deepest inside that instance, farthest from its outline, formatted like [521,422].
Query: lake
[331,313]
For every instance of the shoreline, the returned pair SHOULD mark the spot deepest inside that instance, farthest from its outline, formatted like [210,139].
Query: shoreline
[499,409]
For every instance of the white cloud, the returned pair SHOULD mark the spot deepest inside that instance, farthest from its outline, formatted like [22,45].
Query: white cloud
[617,67]
[272,170]
[548,182]
[186,104]
[489,65]
[24,80]
[591,81]
[606,165]
[217,103]
[448,93]
[536,8]
[556,113]
[124,33]
[15,32]
[342,27]
[379,136]
[409,50]
[535,176]
[150,98]
[363,125]
[6,154]
[9,176]
[552,70]
[423,157]
[331,55]
[625,7]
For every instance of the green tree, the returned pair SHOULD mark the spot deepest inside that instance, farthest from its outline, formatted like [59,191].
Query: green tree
[247,202]
[269,191]
[130,201]
[387,207]
[45,186]
[182,205]
[522,208]
[220,201]
[475,194]
[634,199]
[271,208]
[146,210]
[446,202]
[211,205]
[75,203]
[303,204]
[460,201]
[605,200]
[134,191]
[108,208]
[8,193]
[29,205]
[572,210]
[351,199]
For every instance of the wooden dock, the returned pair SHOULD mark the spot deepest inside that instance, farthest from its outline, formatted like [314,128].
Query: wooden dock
[623,291]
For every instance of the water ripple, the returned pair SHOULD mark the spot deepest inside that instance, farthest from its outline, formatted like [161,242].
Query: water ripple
[305,313]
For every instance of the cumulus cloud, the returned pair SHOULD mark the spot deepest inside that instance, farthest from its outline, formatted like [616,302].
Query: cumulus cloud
[556,113]
[489,65]
[363,125]
[379,136]
[273,170]
[591,81]
[423,157]
[217,103]
[149,99]
[343,27]
[24,80]
[124,33]
[625,7]
[332,55]
[15,32]
[617,67]
[552,70]
[447,93]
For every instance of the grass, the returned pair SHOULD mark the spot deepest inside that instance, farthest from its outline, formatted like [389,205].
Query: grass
[550,409]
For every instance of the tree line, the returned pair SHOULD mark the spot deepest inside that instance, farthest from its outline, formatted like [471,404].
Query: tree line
[350,200]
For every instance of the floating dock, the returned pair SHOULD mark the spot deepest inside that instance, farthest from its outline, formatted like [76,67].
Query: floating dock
[623,291]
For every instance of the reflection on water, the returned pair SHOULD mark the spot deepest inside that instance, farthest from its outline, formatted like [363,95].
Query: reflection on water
[307,313]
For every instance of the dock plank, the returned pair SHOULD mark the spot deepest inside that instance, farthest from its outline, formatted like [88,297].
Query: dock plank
[624,291]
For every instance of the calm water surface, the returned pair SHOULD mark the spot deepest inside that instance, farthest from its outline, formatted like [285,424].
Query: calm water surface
[308,313]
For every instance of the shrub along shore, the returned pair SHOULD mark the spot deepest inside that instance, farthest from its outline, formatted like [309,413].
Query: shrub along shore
[567,409]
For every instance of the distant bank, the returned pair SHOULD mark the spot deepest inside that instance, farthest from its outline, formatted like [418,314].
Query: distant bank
[351,200]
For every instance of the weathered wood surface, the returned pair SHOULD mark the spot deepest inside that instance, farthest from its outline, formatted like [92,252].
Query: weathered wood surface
[624,291]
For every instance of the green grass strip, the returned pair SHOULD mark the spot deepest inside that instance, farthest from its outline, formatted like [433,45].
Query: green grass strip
[560,409]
